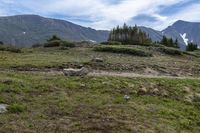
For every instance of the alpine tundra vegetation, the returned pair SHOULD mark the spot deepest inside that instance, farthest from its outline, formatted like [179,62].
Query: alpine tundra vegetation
[57,76]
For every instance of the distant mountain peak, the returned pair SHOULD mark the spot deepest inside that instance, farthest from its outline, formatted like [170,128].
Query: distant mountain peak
[26,30]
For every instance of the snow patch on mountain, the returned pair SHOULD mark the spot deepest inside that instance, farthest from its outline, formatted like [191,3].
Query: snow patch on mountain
[185,39]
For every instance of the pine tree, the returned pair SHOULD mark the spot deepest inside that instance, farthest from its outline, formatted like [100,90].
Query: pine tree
[53,38]
[128,35]
[191,47]
[176,43]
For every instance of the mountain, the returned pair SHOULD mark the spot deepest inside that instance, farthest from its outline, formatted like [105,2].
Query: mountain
[153,34]
[185,32]
[26,30]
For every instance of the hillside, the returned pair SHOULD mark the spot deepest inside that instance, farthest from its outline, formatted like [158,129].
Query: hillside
[161,84]
[26,30]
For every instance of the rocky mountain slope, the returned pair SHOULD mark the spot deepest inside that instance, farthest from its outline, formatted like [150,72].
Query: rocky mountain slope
[25,30]
[184,31]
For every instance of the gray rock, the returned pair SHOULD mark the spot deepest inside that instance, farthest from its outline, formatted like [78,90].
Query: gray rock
[126,97]
[3,108]
[97,60]
[142,91]
[76,72]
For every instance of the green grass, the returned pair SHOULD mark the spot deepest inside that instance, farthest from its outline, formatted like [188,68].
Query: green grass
[46,103]
[54,58]
[170,51]
[16,108]
[55,103]
[123,50]
[10,49]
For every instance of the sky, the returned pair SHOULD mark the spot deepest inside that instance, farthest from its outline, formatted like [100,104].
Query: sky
[106,14]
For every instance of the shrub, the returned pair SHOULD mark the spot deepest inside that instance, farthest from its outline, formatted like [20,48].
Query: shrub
[37,45]
[57,43]
[123,50]
[111,43]
[67,44]
[16,108]
[54,43]
[170,51]
[54,38]
[10,49]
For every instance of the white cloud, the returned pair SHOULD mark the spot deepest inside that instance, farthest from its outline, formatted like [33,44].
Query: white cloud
[103,13]
[189,13]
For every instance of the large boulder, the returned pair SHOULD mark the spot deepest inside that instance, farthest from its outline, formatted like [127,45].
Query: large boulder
[3,108]
[76,72]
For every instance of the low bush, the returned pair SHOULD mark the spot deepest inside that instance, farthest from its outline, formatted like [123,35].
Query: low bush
[16,108]
[37,45]
[123,50]
[111,43]
[10,49]
[170,51]
[57,43]
[67,44]
[54,43]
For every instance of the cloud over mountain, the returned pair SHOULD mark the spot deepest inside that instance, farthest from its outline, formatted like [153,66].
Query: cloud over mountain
[104,14]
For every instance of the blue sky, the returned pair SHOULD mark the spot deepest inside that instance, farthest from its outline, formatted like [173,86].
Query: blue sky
[105,14]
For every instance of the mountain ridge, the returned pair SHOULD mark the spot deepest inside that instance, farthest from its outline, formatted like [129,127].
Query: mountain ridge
[26,30]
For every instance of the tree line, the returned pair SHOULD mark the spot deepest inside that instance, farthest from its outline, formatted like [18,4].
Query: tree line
[129,35]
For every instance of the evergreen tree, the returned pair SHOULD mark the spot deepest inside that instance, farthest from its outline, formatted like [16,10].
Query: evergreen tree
[1,43]
[128,35]
[191,47]
[53,38]
[164,41]
[176,43]
[169,42]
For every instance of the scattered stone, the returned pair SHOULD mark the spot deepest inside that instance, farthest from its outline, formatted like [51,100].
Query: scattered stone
[3,108]
[155,91]
[164,93]
[83,85]
[97,60]
[149,71]
[126,97]
[142,91]
[76,72]
[186,90]
[196,97]
[189,98]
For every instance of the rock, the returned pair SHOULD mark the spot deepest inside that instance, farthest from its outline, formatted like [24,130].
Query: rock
[3,108]
[189,98]
[83,85]
[76,72]
[97,60]
[155,91]
[149,71]
[186,90]
[142,91]
[196,97]
[126,97]
[164,93]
